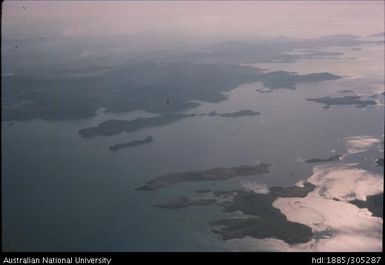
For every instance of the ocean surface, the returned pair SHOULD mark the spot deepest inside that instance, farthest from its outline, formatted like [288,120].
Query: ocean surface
[62,192]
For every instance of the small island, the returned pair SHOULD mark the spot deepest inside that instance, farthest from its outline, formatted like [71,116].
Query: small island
[320,160]
[214,174]
[113,127]
[236,114]
[147,140]
[357,101]
[282,79]
[379,162]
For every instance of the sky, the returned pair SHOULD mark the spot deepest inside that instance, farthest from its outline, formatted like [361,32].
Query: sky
[199,21]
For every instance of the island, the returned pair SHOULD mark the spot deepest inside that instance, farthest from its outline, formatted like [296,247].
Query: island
[320,160]
[236,114]
[282,79]
[378,35]
[357,101]
[214,174]
[147,140]
[373,203]
[264,91]
[380,162]
[113,127]
[261,219]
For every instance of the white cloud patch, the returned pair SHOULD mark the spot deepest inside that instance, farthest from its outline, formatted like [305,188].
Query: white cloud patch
[256,187]
[357,144]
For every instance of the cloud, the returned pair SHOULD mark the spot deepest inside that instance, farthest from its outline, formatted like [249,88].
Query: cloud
[256,187]
[357,144]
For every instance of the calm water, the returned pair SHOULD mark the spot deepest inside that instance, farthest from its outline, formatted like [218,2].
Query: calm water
[63,192]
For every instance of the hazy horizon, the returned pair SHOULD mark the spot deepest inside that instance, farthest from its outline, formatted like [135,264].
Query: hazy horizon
[201,22]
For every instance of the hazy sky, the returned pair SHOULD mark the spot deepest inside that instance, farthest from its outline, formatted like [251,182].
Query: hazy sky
[199,20]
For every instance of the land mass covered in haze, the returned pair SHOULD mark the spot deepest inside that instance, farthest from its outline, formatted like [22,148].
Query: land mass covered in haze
[154,87]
